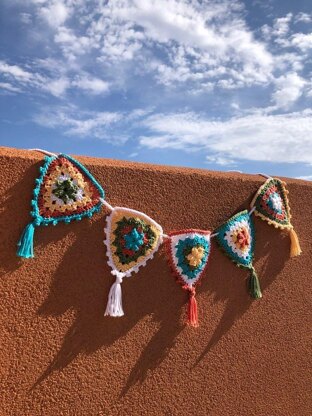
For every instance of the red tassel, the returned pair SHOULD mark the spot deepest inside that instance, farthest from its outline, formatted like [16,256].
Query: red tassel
[192,314]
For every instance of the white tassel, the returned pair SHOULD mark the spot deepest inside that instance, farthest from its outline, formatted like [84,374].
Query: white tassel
[114,304]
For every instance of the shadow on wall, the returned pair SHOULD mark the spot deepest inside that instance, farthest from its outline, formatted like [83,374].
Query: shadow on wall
[11,234]
[88,295]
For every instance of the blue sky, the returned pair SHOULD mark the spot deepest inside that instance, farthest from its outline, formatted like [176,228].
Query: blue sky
[222,84]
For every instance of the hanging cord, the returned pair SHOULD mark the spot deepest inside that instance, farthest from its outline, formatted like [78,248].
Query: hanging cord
[111,208]
[249,213]
[265,175]
[106,204]
[45,152]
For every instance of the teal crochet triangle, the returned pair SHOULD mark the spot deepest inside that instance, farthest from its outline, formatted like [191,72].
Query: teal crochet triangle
[237,238]
[65,191]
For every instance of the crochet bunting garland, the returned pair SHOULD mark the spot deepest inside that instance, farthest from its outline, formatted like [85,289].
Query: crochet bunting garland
[271,204]
[132,238]
[64,191]
[237,238]
[188,252]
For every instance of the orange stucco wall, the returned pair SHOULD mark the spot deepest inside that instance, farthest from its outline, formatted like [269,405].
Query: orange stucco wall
[61,356]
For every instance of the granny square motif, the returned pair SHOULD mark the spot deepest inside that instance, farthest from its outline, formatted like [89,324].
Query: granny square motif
[64,191]
[132,238]
[188,253]
[271,203]
[237,238]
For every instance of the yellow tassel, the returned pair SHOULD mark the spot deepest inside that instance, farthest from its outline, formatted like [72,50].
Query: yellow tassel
[295,249]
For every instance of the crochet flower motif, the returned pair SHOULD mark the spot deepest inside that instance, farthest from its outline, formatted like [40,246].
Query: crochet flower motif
[241,238]
[271,203]
[190,254]
[195,257]
[65,190]
[275,202]
[134,240]
[237,238]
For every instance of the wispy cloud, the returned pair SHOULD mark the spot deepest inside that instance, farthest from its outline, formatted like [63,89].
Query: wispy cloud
[302,41]
[284,138]
[305,178]
[288,89]
[79,123]
[97,124]
[92,85]
[15,72]
[54,12]
[303,17]
[204,44]
[217,81]
[9,87]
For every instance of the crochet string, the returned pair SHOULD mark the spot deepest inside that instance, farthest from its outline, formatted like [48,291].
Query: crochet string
[250,213]
[106,204]
[45,152]
[111,208]
[265,175]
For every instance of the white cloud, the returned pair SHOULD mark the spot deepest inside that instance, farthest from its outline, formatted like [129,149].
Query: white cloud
[25,18]
[133,155]
[303,17]
[100,124]
[15,71]
[204,44]
[302,41]
[288,89]
[196,39]
[305,178]
[284,138]
[220,160]
[78,123]
[54,12]
[9,87]
[92,85]
[56,87]
[281,25]
[55,81]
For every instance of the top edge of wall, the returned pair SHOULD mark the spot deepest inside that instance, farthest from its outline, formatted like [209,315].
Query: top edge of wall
[99,161]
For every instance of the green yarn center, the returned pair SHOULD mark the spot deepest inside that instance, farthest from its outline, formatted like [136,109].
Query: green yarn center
[65,190]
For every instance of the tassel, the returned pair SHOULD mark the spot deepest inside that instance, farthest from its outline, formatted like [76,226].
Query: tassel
[254,285]
[114,303]
[295,249]
[192,314]
[26,242]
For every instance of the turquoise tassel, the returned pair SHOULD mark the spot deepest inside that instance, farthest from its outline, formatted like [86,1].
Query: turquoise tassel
[26,242]
[254,285]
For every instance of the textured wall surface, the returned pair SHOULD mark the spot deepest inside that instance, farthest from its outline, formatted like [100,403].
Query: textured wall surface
[61,356]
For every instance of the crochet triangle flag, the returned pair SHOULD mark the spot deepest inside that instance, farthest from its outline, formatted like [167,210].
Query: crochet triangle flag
[188,252]
[65,190]
[132,238]
[271,204]
[237,239]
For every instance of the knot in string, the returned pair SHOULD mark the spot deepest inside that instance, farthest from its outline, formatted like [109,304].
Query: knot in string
[190,289]
[119,278]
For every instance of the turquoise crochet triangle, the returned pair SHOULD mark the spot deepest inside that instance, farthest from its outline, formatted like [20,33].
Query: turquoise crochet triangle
[65,191]
[237,238]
